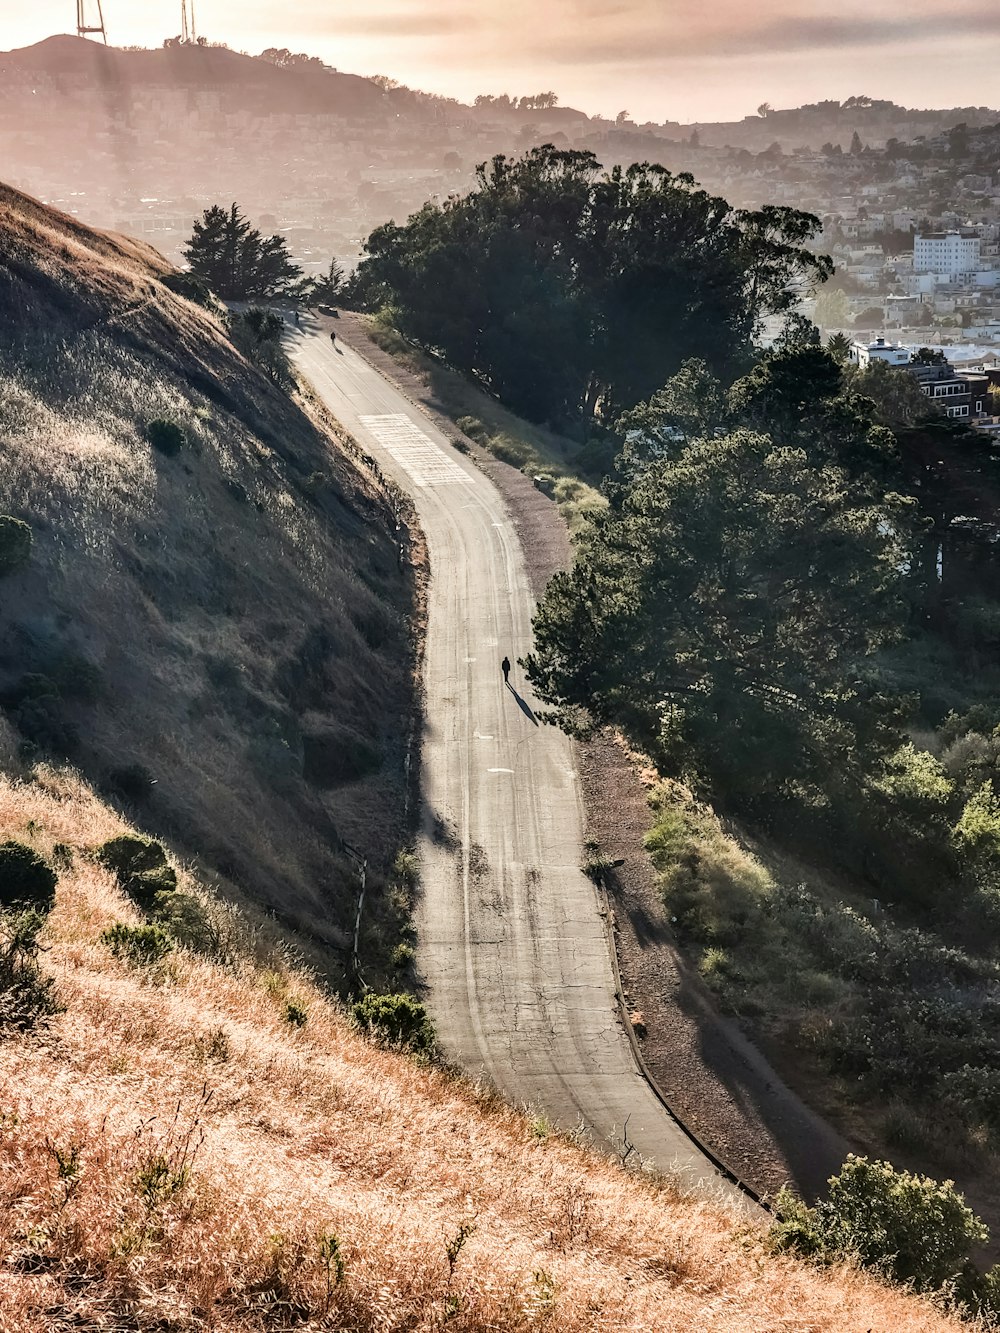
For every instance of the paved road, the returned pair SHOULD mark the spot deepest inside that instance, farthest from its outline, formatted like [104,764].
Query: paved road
[512,945]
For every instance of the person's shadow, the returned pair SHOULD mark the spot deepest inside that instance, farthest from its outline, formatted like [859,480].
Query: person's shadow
[521,704]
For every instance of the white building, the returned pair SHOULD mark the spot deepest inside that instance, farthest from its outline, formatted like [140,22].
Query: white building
[864,353]
[949,254]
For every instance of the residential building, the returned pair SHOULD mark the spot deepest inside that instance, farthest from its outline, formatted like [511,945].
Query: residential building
[951,254]
[864,353]
[962,394]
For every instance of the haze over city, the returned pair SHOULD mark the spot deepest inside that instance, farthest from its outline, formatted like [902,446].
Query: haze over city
[677,60]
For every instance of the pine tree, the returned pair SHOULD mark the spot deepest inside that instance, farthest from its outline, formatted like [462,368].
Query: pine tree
[235,260]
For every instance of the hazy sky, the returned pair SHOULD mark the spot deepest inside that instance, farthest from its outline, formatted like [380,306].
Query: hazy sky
[658,59]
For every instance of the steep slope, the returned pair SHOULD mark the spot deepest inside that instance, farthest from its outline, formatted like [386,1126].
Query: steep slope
[176,1154]
[218,635]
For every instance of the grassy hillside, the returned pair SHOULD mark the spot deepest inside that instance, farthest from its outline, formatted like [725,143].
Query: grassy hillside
[204,1142]
[217,636]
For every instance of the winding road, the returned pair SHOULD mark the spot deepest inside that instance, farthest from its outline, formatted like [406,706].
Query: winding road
[512,943]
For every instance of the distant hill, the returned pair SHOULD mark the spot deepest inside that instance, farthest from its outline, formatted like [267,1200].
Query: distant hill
[833,122]
[217,637]
[246,79]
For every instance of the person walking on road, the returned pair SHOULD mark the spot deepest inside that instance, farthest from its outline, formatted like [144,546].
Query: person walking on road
[505,668]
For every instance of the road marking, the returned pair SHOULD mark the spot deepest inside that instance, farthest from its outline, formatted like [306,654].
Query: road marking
[416,452]
[480,736]
[499,770]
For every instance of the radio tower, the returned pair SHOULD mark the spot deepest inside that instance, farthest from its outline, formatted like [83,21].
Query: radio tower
[189,33]
[94,24]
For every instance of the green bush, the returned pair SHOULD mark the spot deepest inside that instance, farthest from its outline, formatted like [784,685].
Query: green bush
[295,1014]
[514,452]
[191,287]
[472,427]
[15,544]
[185,920]
[166,437]
[26,881]
[26,996]
[141,945]
[396,1019]
[406,868]
[132,782]
[140,867]
[714,889]
[912,1229]
[402,957]
[973,1094]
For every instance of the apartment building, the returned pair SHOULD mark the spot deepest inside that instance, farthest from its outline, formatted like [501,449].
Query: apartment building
[963,395]
[950,254]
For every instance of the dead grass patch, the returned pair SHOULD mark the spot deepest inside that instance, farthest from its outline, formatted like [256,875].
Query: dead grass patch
[175,1155]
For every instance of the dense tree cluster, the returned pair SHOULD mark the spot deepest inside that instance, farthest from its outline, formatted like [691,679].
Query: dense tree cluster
[724,610]
[763,546]
[538,102]
[571,292]
[236,260]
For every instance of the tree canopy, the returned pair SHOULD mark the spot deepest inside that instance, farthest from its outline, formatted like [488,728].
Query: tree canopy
[236,260]
[723,611]
[569,291]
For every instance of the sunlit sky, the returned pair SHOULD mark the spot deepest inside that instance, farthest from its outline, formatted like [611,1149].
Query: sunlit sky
[657,59]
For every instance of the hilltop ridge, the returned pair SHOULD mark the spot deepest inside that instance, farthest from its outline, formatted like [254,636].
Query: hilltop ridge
[68,59]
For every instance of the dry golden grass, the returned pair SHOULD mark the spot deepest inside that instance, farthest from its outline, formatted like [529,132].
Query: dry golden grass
[208,1147]
[241,605]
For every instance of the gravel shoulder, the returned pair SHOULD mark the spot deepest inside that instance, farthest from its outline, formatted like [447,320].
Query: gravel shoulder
[716,1081]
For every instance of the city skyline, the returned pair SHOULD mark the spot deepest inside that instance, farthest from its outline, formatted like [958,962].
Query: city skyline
[691,63]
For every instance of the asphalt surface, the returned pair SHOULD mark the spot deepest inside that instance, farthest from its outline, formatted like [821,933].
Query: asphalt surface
[512,943]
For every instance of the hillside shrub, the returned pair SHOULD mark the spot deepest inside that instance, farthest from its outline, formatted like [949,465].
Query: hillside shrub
[185,920]
[140,867]
[143,946]
[395,1019]
[406,868]
[26,881]
[26,995]
[166,437]
[295,1014]
[132,782]
[36,708]
[15,544]
[973,1094]
[472,427]
[911,1228]
[713,888]
[191,287]
[129,855]
[402,957]
[334,755]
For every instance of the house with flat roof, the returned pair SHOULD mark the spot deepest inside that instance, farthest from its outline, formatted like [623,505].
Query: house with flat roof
[864,353]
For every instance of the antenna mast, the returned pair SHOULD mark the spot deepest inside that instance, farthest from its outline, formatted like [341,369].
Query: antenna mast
[95,25]
[189,34]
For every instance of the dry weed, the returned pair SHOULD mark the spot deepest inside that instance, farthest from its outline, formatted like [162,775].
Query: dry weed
[175,1155]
